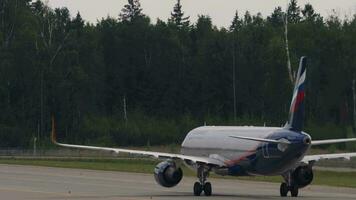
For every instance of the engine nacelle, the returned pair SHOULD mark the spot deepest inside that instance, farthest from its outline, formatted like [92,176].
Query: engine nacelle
[167,174]
[303,176]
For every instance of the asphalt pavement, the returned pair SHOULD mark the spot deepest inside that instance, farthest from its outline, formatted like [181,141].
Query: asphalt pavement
[31,182]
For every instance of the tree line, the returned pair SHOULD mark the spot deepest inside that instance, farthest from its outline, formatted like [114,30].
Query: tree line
[128,80]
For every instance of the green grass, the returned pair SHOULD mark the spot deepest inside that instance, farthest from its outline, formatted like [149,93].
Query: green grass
[344,179]
[125,165]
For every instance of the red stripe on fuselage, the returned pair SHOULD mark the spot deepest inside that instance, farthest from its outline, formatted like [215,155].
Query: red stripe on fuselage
[233,162]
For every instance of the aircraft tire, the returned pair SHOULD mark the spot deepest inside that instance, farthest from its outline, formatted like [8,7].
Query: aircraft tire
[284,189]
[294,190]
[197,189]
[207,189]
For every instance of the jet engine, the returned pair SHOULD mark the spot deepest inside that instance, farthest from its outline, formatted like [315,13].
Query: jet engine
[167,174]
[303,176]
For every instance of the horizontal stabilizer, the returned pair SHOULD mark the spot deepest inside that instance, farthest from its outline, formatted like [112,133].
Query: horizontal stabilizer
[261,139]
[320,142]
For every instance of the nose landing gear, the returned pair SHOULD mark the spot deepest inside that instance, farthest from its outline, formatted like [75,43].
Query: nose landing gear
[202,185]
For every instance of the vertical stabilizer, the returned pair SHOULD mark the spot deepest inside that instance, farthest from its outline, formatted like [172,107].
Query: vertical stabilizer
[296,112]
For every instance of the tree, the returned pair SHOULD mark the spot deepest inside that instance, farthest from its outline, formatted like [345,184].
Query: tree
[204,27]
[293,12]
[16,71]
[236,25]
[8,12]
[236,22]
[177,16]
[309,13]
[277,17]
[247,18]
[131,11]
[51,62]
[77,23]
[53,33]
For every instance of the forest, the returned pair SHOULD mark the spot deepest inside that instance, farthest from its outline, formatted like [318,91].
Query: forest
[130,80]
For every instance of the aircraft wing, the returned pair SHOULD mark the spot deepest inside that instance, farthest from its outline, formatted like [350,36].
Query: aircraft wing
[159,155]
[333,141]
[315,158]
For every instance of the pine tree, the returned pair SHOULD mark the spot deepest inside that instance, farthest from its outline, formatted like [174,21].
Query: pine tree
[277,17]
[177,16]
[247,18]
[131,11]
[236,22]
[77,24]
[309,13]
[293,12]
[78,20]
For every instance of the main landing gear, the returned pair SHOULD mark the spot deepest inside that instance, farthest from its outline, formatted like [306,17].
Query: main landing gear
[202,185]
[289,186]
[285,189]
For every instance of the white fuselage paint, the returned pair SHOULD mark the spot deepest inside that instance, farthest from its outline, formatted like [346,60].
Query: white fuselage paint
[215,140]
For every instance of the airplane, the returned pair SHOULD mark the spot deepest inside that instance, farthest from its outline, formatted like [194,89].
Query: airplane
[242,150]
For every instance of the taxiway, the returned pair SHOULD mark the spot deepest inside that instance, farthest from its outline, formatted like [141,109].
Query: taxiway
[30,182]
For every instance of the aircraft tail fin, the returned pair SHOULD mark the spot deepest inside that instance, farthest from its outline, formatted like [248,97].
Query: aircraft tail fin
[296,112]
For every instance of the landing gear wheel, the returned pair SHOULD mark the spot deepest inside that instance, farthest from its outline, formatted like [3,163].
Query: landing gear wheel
[197,189]
[294,190]
[207,189]
[284,189]
[202,185]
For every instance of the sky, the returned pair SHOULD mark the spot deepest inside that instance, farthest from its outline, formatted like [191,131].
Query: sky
[221,11]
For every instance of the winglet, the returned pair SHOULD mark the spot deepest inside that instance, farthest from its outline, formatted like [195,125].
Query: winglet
[53,132]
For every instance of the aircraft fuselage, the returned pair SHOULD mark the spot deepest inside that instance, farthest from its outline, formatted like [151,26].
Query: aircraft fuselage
[245,157]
